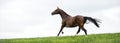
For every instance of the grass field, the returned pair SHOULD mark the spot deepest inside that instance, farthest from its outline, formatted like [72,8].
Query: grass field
[93,38]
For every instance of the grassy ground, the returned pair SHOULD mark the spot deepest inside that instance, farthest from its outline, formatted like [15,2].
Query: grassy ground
[94,38]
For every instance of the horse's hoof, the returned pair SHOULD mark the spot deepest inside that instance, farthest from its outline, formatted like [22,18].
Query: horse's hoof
[62,32]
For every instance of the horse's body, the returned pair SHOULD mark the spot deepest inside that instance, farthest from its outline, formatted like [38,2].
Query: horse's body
[69,21]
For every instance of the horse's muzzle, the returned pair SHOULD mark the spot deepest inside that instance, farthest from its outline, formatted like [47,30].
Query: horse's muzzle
[52,13]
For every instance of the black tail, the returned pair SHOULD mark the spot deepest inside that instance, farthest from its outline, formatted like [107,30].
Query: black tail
[92,20]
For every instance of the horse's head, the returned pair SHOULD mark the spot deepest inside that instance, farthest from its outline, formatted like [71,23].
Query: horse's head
[57,11]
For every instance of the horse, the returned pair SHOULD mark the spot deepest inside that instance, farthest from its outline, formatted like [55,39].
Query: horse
[69,21]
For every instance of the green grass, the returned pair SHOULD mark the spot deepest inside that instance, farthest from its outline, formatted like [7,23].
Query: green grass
[93,38]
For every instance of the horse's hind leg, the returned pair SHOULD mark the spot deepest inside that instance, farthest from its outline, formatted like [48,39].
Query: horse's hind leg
[78,31]
[84,30]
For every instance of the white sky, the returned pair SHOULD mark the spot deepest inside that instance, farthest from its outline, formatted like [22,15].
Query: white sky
[32,18]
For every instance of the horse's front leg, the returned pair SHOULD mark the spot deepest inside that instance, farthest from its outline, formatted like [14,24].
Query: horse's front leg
[61,29]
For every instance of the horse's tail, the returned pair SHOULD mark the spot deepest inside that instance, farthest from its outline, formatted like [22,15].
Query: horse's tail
[92,20]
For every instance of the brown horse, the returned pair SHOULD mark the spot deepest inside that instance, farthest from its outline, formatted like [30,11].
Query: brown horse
[69,21]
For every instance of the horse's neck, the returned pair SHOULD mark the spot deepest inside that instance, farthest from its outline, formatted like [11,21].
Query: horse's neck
[64,15]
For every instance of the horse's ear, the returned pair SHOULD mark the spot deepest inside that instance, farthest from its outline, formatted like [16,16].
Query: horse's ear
[57,7]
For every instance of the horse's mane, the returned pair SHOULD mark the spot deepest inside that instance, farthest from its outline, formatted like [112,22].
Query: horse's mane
[64,12]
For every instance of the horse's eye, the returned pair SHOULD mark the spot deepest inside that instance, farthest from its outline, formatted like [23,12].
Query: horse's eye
[55,10]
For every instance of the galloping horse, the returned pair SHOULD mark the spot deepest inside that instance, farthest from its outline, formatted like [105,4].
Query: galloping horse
[69,21]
